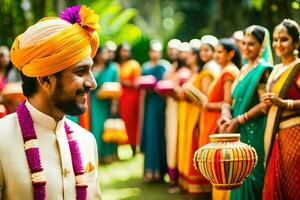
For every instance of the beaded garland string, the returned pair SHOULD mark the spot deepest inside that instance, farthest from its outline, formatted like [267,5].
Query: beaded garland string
[34,159]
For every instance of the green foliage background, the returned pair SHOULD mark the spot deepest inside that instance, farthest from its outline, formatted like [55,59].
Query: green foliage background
[137,22]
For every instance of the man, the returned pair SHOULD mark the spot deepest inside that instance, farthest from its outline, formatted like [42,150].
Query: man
[42,154]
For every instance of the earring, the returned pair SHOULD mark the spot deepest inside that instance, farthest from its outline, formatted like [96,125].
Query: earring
[296,52]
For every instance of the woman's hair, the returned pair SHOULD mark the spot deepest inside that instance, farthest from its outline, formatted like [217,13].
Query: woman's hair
[293,30]
[118,56]
[180,63]
[229,45]
[257,31]
[195,51]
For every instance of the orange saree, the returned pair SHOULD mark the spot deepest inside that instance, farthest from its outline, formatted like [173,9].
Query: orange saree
[194,180]
[208,122]
[215,94]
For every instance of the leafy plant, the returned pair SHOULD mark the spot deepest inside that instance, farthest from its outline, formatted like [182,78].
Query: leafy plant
[115,21]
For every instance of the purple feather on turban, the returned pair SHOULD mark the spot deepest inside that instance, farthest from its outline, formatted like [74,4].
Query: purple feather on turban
[71,14]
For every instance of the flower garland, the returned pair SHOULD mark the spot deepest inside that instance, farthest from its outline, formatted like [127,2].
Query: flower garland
[34,159]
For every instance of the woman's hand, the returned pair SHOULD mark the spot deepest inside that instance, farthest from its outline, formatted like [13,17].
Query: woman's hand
[232,125]
[222,120]
[223,124]
[275,100]
[265,98]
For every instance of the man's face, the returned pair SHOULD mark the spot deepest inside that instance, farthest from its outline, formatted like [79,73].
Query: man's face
[72,87]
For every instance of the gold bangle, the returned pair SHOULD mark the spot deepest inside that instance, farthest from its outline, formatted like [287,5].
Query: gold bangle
[286,104]
[289,104]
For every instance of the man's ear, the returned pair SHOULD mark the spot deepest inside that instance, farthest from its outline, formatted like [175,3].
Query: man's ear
[46,82]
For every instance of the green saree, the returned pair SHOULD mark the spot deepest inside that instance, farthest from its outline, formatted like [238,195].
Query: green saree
[245,97]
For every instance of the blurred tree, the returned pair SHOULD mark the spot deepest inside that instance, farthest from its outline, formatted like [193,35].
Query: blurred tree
[115,21]
[38,9]
[218,17]
[12,20]
[17,15]
[157,19]
[117,24]
[162,19]
[274,11]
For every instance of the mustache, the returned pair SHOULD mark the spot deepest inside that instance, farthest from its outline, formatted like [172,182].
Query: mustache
[83,91]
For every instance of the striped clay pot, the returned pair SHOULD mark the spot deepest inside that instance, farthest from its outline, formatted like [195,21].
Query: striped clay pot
[226,161]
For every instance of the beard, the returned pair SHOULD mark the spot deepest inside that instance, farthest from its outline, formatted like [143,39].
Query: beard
[68,105]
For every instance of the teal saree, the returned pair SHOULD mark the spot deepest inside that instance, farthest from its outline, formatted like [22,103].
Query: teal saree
[245,97]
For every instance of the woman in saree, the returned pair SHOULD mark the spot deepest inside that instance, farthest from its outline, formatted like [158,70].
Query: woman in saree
[195,183]
[184,52]
[101,109]
[282,136]
[129,70]
[187,63]
[206,53]
[172,115]
[218,94]
[248,113]
[153,143]
[210,69]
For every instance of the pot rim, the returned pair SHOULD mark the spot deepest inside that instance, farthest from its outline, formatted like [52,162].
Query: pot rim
[229,137]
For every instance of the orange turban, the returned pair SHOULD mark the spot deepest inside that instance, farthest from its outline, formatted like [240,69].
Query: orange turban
[54,44]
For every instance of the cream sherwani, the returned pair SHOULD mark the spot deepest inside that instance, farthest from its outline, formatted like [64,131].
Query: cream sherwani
[15,181]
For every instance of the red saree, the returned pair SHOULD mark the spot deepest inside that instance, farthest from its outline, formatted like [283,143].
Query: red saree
[282,175]
[129,100]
